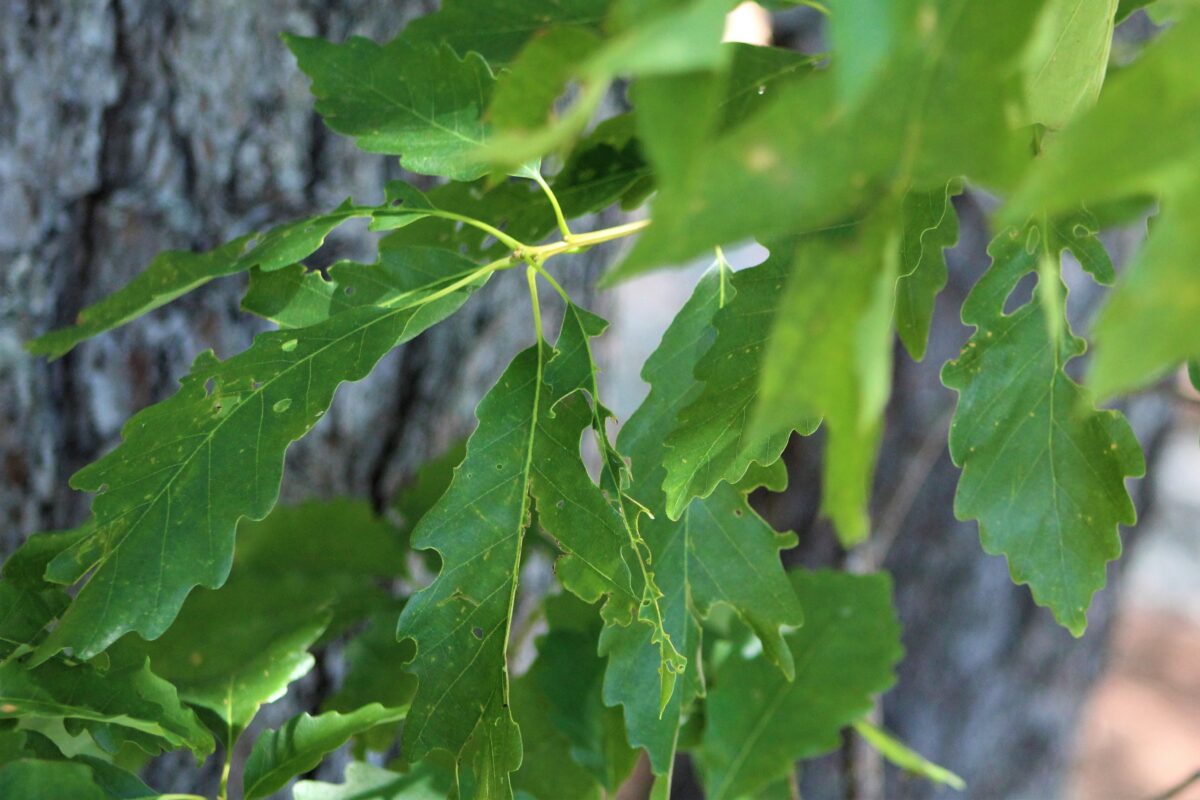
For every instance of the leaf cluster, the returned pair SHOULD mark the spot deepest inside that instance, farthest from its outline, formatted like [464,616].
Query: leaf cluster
[188,599]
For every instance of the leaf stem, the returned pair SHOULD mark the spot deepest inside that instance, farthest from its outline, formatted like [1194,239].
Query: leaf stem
[500,235]
[531,278]
[558,212]
[536,264]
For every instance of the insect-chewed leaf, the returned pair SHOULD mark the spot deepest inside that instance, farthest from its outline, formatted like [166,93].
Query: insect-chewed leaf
[719,551]
[297,298]
[526,445]
[420,102]
[282,754]
[1043,471]
[929,227]
[171,494]
[126,702]
[758,724]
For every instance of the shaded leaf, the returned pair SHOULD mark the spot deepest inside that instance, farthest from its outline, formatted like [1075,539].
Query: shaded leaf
[757,724]
[930,227]
[567,678]
[126,695]
[499,29]
[36,778]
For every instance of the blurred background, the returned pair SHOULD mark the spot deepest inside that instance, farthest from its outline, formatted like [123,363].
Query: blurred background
[132,126]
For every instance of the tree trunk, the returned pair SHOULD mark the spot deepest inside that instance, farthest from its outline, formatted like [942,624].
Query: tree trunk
[132,126]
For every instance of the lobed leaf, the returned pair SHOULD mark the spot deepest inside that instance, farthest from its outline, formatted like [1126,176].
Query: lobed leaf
[1043,472]
[711,440]
[719,551]
[420,102]
[190,467]
[526,447]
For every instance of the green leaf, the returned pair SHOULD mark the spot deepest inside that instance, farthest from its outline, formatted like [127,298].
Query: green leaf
[809,160]
[930,227]
[1147,326]
[1141,137]
[905,757]
[280,755]
[372,677]
[296,568]
[172,274]
[568,676]
[719,551]
[499,29]
[526,445]
[712,441]
[192,465]
[230,671]
[297,298]
[1043,472]
[127,695]
[368,782]
[1065,65]
[35,778]
[526,92]
[420,102]
[757,724]
[651,39]
[175,273]
[829,353]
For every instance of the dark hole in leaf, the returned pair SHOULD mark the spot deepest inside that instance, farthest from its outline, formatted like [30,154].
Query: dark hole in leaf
[477,633]
[349,290]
